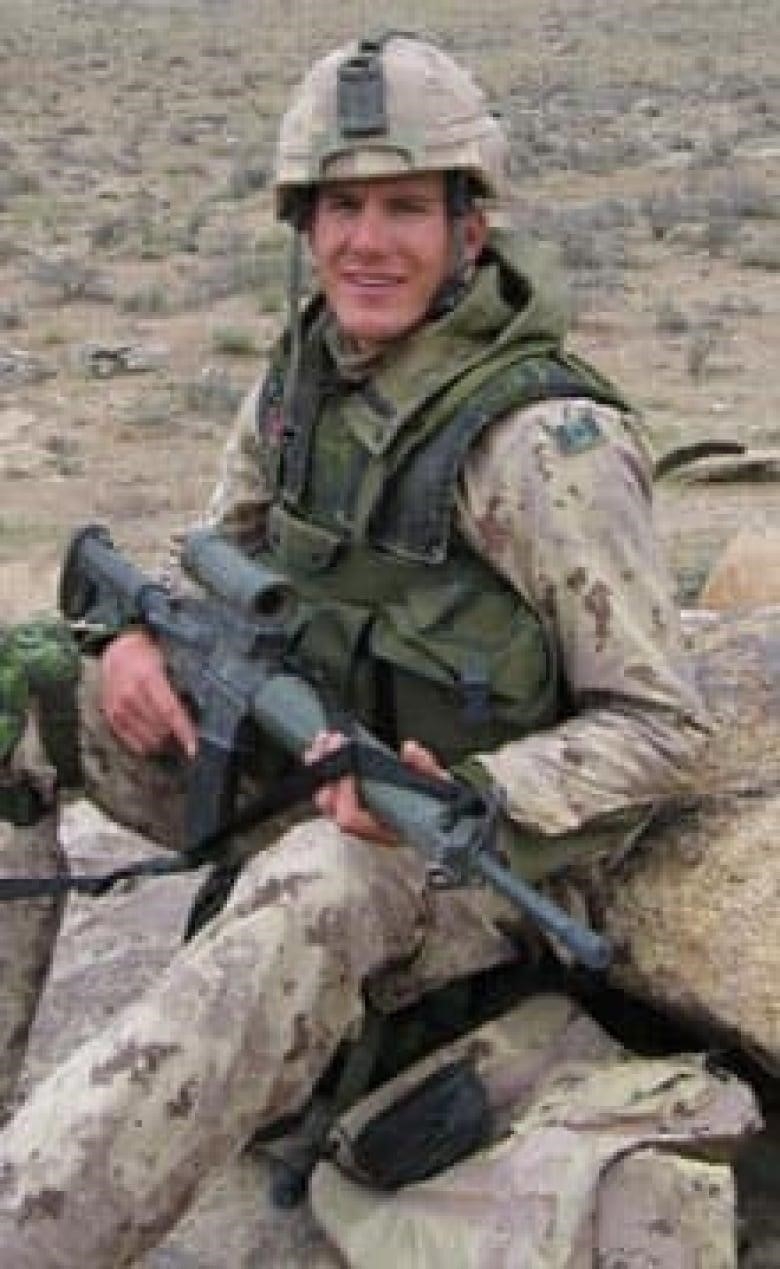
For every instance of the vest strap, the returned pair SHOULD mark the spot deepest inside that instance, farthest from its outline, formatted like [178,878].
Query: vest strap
[411,508]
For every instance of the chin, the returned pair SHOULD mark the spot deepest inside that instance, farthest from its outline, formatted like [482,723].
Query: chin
[367,333]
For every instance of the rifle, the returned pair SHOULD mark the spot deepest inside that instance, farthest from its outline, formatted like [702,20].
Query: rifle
[230,651]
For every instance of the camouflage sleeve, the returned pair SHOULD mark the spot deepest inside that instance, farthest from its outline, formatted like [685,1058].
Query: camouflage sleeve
[557,498]
[244,488]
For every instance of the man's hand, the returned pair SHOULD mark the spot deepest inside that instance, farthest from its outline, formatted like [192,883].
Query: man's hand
[137,699]
[340,801]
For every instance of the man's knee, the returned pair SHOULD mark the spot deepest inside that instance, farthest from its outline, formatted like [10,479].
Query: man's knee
[369,899]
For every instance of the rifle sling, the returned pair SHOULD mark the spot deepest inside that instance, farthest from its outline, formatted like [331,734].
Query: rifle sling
[352,758]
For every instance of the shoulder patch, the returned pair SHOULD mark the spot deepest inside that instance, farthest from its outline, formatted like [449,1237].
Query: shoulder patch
[578,432]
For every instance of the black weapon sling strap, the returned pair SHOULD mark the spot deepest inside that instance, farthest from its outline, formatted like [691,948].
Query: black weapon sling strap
[353,758]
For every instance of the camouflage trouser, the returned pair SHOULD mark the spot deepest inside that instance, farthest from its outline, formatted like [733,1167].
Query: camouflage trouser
[109,1150]
[144,795]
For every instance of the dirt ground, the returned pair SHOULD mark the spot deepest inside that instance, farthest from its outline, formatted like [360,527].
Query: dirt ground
[142,281]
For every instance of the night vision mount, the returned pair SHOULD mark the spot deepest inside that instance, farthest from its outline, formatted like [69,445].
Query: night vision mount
[360,100]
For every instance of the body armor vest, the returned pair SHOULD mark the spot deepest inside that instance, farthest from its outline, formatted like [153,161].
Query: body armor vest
[407,626]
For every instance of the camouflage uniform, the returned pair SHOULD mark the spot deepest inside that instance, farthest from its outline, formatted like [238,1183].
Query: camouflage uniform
[111,1148]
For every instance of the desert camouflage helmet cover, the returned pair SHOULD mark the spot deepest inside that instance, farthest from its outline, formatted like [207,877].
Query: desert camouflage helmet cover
[387,107]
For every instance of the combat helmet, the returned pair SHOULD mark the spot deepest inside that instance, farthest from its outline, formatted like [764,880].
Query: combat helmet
[388,106]
[378,107]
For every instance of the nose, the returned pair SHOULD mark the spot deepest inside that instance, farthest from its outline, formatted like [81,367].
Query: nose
[368,230]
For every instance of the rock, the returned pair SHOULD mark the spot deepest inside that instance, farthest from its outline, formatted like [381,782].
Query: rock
[695,909]
[18,367]
[10,317]
[101,360]
[746,574]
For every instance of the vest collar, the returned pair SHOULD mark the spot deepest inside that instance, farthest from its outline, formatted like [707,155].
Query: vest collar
[503,307]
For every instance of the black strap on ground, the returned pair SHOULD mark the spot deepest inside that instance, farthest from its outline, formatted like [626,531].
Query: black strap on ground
[352,758]
[682,455]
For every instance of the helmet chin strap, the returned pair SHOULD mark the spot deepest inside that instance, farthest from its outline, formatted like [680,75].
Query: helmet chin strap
[458,202]
[298,218]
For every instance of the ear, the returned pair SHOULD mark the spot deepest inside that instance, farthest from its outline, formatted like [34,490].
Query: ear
[307,224]
[475,232]
[308,233]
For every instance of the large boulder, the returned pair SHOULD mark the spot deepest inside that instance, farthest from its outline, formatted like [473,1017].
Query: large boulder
[695,910]
[747,574]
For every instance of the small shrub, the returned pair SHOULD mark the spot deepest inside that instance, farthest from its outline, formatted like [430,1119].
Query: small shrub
[70,279]
[720,232]
[108,233]
[213,394]
[233,341]
[744,198]
[148,301]
[152,410]
[714,152]
[235,275]
[247,178]
[670,320]
[188,237]
[272,299]
[156,241]
[53,337]
[698,353]
[14,181]
[762,255]
[664,212]
[10,317]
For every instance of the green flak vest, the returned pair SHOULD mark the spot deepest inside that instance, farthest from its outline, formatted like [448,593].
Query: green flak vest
[406,625]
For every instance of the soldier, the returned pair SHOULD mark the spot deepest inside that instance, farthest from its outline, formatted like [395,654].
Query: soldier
[465,507]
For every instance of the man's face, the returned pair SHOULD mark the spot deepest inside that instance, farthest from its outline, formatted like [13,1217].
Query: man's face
[382,248]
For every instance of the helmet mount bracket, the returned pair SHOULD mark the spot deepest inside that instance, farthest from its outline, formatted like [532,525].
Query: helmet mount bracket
[360,101]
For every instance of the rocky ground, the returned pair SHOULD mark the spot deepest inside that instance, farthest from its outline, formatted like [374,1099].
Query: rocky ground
[142,280]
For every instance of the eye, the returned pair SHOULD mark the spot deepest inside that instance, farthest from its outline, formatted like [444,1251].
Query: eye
[409,205]
[341,201]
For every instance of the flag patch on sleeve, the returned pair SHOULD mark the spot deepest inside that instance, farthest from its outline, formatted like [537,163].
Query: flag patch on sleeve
[578,432]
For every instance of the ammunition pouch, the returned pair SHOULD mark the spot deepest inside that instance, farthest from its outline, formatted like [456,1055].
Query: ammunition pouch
[433,1125]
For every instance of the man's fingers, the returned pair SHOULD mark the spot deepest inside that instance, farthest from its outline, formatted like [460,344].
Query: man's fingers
[340,800]
[422,760]
[138,736]
[171,718]
[351,816]
[138,700]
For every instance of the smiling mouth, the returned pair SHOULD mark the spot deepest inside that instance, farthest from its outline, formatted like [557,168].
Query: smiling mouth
[370,282]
